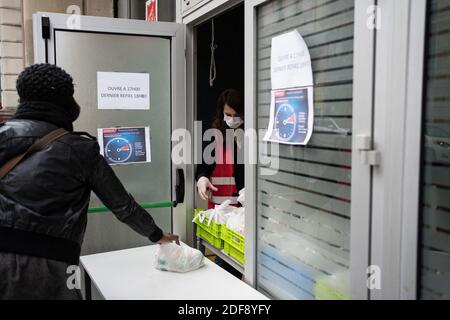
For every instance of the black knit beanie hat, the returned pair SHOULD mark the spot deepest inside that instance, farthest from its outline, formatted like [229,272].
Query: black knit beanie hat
[48,83]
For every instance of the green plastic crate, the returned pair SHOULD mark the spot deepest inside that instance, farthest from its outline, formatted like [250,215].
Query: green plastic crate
[233,238]
[214,228]
[210,238]
[234,253]
[325,291]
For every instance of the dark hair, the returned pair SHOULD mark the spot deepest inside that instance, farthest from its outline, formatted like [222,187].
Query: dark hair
[232,98]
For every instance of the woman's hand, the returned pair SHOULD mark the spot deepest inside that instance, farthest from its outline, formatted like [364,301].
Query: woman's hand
[203,185]
[169,238]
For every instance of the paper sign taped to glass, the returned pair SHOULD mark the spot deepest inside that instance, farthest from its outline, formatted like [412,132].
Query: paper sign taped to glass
[122,146]
[123,91]
[292,97]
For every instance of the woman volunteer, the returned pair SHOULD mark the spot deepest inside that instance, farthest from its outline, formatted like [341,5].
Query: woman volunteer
[225,177]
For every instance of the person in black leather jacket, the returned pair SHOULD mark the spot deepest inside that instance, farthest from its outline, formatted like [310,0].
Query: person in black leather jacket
[44,200]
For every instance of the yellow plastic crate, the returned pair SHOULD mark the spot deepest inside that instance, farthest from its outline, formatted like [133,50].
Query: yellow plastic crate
[214,228]
[325,291]
[233,238]
[234,253]
[210,238]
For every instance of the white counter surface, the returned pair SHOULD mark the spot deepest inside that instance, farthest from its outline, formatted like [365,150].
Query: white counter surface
[130,275]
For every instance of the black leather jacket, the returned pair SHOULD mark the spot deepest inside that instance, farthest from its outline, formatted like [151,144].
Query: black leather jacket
[44,200]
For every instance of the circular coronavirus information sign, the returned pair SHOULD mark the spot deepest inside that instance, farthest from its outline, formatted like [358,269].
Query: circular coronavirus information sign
[125,145]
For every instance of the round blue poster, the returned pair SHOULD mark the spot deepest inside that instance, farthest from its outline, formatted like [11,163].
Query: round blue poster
[125,145]
[286,122]
[118,150]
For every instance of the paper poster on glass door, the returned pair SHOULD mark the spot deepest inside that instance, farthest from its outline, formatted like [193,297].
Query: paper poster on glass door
[122,146]
[291,116]
[123,91]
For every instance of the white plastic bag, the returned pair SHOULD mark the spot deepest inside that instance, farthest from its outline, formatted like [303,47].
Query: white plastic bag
[241,198]
[219,214]
[178,258]
[223,211]
[236,220]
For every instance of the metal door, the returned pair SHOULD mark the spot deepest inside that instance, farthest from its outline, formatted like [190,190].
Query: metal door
[84,46]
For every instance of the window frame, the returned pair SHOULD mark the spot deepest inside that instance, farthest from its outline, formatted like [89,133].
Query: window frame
[413,152]
[398,116]
[364,45]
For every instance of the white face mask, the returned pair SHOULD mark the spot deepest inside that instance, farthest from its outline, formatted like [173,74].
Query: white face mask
[233,122]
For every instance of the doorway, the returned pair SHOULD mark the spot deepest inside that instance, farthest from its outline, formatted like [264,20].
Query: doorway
[219,65]
[227,31]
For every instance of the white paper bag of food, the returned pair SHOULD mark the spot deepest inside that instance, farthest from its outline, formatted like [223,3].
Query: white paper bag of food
[178,258]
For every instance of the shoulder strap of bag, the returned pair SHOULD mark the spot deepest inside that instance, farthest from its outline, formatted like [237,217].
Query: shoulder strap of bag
[40,144]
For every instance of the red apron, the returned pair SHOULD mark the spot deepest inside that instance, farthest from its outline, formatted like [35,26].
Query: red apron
[223,178]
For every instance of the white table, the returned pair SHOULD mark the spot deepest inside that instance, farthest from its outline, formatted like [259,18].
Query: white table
[130,275]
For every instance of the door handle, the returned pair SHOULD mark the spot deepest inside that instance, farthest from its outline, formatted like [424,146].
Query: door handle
[179,197]
[179,187]
[145,205]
